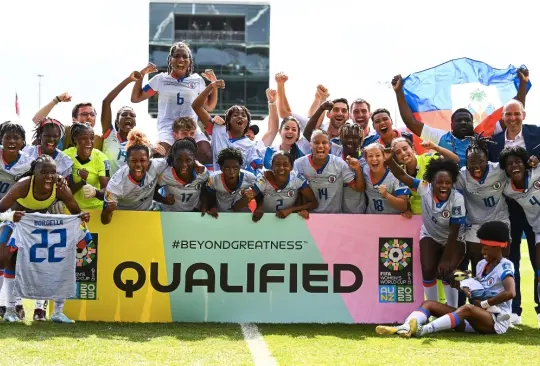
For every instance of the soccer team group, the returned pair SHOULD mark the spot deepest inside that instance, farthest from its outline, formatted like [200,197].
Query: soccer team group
[476,195]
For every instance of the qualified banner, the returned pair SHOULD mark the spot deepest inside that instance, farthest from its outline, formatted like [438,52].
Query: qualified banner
[168,267]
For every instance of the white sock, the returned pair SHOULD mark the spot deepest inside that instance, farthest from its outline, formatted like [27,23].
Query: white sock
[451,295]
[58,306]
[9,284]
[18,301]
[421,315]
[469,328]
[431,291]
[1,280]
[3,294]
[40,304]
[447,321]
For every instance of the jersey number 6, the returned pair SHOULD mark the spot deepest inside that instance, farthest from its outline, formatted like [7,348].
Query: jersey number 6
[179,99]
[51,258]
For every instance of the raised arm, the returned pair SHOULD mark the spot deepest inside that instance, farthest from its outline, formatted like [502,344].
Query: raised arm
[398,172]
[47,108]
[313,122]
[441,150]
[273,118]
[211,101]
[284,109]
[138,94]
[198,103]
[404,110]
[523,75]
[106,113]
[321,95]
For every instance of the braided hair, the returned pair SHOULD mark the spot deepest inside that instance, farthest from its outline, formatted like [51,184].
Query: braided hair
[230,153]
[173,49]
[117,120]
[229,113]
[353,129]
[186,143]
[43,159]
[77,128]
[38,131]
[478,143]
[12,127]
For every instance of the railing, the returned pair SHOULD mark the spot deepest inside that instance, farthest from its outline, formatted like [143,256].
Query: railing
[209,35]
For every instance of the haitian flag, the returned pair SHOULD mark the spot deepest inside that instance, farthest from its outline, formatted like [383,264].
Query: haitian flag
[434,94]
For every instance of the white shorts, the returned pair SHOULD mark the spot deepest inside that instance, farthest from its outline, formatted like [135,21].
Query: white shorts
[166,135]
[472,229]
[500,326]
[425,234]
[536,239]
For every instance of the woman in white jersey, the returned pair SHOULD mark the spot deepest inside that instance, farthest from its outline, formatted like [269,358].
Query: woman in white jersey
[282,190]
[133,186]
[115,136]
[177,89]
[482,183]
[524,187]
[385,194]
[443,212]
[232,133]
[35,191]
[14,162]
[229,190]
[328,174]
[495,273]
[184,178]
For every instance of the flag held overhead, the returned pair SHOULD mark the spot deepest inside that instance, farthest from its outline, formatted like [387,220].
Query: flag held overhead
[434,94]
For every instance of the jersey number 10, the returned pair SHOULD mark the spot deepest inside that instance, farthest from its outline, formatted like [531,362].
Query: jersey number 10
[51,258]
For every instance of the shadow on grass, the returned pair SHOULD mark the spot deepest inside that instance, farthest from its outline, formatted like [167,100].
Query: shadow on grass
[524,335]
[133,332]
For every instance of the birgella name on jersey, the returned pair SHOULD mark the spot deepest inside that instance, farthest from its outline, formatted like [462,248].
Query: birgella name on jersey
[52,222]
[288,274]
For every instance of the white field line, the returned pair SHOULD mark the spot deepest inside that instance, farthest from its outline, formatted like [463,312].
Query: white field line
[257,346]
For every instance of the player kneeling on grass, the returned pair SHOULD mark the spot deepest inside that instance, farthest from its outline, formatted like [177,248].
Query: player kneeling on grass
[495,274]
[278,190]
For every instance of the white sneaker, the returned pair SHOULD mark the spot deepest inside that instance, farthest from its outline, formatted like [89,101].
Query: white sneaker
[515,319]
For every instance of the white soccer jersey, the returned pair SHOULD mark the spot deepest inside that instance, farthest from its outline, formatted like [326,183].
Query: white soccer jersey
[529,198]
[115,149]
[9,171]
[175,97]
[130,194]
[63,162]
[46,256]
[221,140]
[327,183]
[276,198]
[493,281]
[187,196]
[377,204]
[484,198]
[437,216]
[224,196]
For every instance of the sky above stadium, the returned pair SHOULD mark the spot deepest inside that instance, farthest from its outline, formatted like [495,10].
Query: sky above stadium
[87,47]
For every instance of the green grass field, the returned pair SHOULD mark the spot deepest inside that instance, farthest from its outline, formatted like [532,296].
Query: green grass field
[217,344]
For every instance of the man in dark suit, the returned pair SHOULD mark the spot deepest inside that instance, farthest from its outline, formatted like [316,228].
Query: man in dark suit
[528,137]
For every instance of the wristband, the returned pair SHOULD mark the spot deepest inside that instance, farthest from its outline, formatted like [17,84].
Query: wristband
[7,216]
[57,99]
[484,304]
[271,103]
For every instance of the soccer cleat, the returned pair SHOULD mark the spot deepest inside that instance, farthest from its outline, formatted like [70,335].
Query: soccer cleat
[61,318]
[19,309]
[515,319]
[39,315]
[11,316]
[2,311]
[385,330]
[409,330]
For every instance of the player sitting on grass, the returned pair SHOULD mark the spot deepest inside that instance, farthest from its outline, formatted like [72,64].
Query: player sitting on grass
[495,274]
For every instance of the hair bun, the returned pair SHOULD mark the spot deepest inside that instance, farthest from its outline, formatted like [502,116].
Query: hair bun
[136,137]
